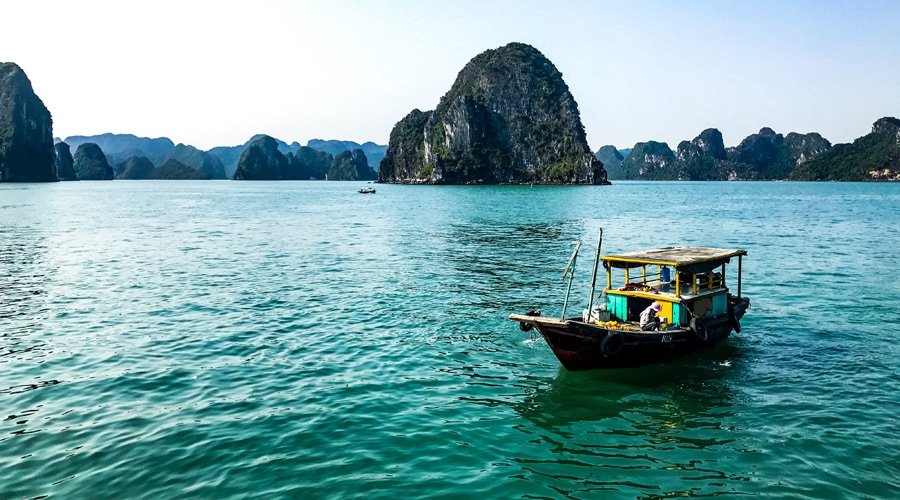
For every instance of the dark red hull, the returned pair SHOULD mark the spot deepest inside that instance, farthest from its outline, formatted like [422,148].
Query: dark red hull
[582,346]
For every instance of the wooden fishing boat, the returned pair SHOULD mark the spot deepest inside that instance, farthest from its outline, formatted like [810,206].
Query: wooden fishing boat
[367,191]
[697,310]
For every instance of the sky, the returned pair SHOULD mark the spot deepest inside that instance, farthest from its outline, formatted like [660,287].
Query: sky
[215,73]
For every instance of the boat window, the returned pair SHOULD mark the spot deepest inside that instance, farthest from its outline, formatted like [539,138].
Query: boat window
[646,278]
[658,278]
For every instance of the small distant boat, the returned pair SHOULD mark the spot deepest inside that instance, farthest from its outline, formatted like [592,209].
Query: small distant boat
[695,307]
[367,191]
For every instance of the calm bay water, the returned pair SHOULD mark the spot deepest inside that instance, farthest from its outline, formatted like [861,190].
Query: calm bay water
[297,339]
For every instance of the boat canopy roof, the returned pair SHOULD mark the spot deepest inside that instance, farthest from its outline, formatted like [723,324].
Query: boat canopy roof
[694,259]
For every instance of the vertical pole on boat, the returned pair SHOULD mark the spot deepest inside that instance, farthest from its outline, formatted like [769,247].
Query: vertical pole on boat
[594,274]
[740,261]
[570,267]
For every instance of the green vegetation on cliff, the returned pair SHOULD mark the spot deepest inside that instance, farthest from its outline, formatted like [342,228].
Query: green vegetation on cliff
[509,117]
[202,161]
[351,166]
[403,160]
[611,159]
[307,163]
[762,156]
[262,160]
[135,168]
[90,163]
[120,147]
[26,130]
[65,164]
[374,152]
[649,160]
[873,157]
[175,170]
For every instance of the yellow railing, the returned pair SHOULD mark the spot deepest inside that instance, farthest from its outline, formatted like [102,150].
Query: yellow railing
[695,283]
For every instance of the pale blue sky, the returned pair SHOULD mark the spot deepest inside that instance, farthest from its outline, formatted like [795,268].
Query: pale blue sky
[214,73]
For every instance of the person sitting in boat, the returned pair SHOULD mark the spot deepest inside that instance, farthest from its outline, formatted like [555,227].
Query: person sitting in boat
[649,319]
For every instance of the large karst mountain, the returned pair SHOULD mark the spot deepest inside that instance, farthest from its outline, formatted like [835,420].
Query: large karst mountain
[26,130]
[509,118]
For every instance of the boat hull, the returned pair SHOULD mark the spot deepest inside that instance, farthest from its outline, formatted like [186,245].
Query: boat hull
[584,346]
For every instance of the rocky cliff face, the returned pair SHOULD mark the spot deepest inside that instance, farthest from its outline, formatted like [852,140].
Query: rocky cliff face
[804,147]
[308,164]
[709,144]
[649,160]
[611,159]
[136,168]
[765,155]
[509,117]
[90,163]
[351,166]
[773,156]
[173,169]
[304,162]
[886,125]
[705,158]
[873,157]
[119,147]
[374,152]
[261,161]
[209,165]
[758,149]
[761,151]
[406,150]
[65,170]
[26,130]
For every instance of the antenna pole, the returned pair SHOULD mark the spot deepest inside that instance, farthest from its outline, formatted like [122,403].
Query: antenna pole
[570,267]
[594,275]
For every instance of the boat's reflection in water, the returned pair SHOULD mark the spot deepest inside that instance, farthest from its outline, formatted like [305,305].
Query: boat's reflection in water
[640,433]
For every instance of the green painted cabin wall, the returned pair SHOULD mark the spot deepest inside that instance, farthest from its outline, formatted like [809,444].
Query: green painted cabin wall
[617,306]
[719,305]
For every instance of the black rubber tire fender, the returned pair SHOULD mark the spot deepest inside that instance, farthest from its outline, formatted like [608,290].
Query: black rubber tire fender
[612,344]
[699,329]
[732,318]
[525,327]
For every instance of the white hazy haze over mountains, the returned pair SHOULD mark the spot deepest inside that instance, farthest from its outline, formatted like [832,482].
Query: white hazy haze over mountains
[215,73]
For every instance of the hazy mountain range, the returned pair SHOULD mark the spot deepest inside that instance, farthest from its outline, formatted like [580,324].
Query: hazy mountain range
[120,147]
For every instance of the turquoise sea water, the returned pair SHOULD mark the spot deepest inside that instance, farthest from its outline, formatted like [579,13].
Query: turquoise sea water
[297,339]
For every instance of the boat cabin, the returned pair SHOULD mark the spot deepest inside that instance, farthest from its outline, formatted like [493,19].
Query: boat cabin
[679,278]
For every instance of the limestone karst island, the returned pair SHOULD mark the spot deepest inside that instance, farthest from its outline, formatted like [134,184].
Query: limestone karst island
[508,118]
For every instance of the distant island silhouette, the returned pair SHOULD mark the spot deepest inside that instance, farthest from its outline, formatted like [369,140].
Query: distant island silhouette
[508,118]
[766,155]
